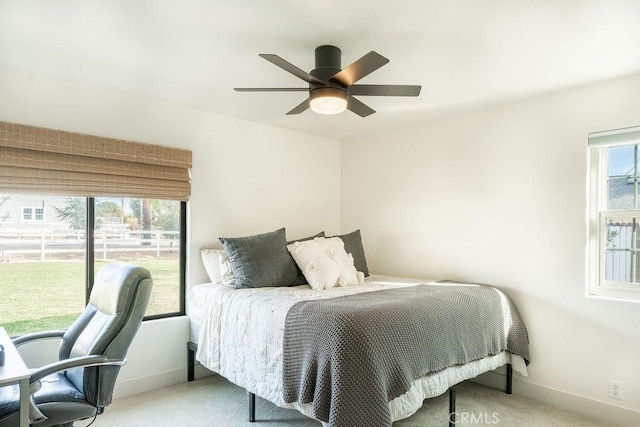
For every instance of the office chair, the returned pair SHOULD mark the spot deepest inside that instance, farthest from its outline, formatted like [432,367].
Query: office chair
[80,385]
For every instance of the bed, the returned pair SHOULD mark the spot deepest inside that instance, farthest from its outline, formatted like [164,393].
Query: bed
[239,335]
[304,325]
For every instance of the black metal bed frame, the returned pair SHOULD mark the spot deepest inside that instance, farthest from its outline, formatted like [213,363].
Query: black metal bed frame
[191,363]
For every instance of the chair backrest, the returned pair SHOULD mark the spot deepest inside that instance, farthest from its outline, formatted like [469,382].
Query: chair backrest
[107,326]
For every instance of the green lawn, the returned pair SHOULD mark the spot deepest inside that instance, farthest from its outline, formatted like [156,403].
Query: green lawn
[50,295]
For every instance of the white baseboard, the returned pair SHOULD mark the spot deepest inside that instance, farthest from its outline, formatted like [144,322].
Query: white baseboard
[141,384]
[584,405]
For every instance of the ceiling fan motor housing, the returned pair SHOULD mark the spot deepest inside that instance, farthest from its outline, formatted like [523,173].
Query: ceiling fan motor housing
[328,64]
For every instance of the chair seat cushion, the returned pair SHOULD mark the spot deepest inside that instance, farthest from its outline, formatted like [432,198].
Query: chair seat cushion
[57,388]
[9,400]
[57,395]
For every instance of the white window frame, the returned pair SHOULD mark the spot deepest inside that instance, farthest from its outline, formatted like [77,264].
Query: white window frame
[598,213]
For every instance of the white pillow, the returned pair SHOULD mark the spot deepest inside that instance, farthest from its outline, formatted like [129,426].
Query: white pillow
[218,267]
[325,263]
[226,271]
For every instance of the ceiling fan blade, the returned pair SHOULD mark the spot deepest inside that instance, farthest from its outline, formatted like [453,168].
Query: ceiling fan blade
[358,107]
[300,108]
[362,67]
[385,90]
[287,66]
[271,89]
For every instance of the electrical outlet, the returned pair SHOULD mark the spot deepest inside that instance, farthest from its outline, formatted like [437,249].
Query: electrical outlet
[615,389]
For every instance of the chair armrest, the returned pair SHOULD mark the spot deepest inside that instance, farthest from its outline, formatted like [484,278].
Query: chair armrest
[35,336]
[35,415]
[74,362]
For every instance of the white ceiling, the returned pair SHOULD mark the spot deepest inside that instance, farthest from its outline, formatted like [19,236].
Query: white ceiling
[465,53]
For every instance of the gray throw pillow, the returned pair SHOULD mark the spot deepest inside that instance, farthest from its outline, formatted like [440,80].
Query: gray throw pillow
[261,260]
[353,245]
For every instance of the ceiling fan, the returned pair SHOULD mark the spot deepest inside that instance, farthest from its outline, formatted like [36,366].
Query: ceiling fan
[332,89]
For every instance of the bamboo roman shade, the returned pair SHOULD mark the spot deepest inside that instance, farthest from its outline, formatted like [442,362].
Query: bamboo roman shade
[44,161]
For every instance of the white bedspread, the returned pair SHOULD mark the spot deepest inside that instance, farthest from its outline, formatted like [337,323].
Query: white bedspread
[241,333]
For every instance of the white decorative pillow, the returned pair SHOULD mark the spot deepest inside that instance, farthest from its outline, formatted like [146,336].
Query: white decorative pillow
[216,263]
[325,263]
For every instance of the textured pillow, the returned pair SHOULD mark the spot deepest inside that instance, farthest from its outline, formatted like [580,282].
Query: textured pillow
[301,279]
[353,246]
[218,267]
[261,260]
[325,263]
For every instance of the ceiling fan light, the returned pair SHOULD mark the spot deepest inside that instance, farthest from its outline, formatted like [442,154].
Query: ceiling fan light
[328,100]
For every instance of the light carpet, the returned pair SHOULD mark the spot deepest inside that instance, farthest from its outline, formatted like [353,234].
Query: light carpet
[213,402]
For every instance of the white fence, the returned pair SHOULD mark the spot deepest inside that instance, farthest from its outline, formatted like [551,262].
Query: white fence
[49,244]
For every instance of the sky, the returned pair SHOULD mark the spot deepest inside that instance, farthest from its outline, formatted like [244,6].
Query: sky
[621,160]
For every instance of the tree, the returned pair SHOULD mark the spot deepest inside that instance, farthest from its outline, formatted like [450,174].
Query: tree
[147,217]
[164,214]
[167,215]
[107,208]
[73,212]
[155,214]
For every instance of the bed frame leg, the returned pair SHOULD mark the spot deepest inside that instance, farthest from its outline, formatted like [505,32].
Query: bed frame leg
[509,379]
[452,407]
[191,360]
[252,407]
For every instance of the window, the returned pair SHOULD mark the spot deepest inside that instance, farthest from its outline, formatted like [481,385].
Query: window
[33,214]
[614,214]
[146,232]
[97,200]
[27,214]
[53,262]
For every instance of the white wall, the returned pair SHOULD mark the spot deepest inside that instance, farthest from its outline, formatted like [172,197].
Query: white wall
[246,178]
[498,196]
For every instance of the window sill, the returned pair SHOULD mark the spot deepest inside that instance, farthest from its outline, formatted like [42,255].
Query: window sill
[614,294]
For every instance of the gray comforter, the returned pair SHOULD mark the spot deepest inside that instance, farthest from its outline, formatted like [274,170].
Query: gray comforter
[351,355]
